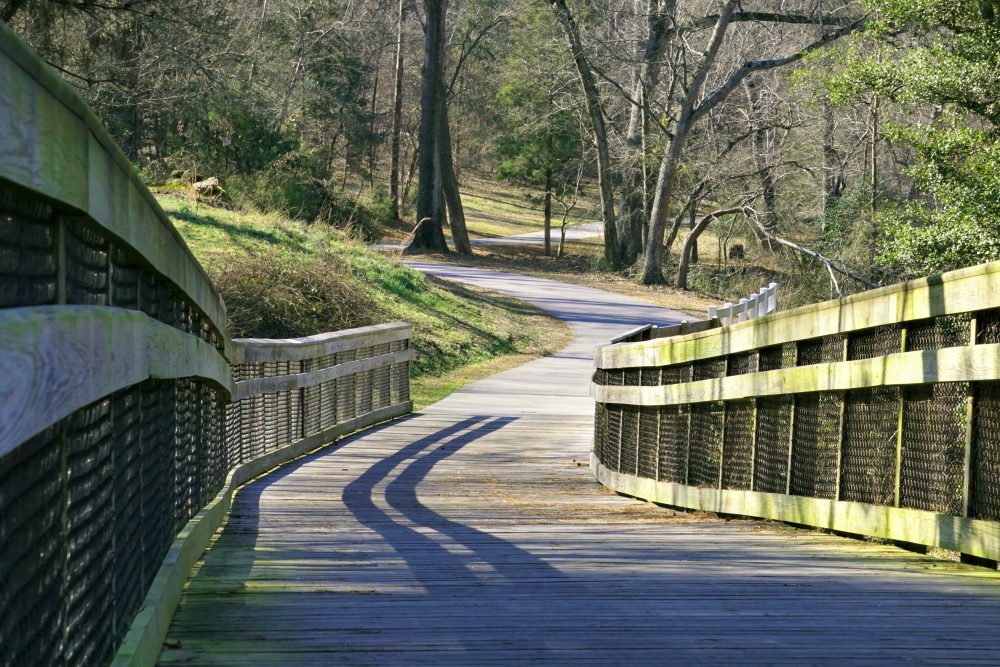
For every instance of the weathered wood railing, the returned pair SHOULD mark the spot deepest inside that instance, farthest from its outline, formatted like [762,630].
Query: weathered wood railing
[128,416]
[877,414]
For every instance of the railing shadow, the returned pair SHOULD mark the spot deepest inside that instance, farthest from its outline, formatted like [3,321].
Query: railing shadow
[425,556]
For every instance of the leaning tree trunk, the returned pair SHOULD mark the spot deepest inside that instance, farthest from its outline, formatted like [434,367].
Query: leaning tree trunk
[593,99]
[449,183]
[632,232]
[428,234]
[397,115]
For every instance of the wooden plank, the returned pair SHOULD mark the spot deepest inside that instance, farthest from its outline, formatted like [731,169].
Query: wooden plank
[257,350]
[55,146]
[267,385]
[143,642]
[972,536]
[473,533]
[58,359]
[979,363]
[965,290]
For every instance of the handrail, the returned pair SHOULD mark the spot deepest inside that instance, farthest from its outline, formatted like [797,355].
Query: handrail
[54,145]
[128,416]
[876,414]
[756,305]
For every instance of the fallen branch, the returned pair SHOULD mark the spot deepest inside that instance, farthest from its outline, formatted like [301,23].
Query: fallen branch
[831,265]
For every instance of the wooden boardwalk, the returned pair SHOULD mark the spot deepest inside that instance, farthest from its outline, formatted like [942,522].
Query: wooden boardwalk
[473,534]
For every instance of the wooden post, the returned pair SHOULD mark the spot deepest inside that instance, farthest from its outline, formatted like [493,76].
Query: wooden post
[753,431]
[840,429]
[791,433]
[970,427]
[897,482]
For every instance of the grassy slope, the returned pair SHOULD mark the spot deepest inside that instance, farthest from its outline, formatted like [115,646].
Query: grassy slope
[279,278]
[495,209]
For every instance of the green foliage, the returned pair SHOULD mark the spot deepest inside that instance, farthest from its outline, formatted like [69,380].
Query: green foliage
[950,59]
[281,278]
[540,132]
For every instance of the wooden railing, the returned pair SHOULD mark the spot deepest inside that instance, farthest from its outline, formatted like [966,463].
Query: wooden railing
[128,416]
[877,414]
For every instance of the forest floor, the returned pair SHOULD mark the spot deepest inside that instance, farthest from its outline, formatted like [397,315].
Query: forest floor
[495,212]
[281,278]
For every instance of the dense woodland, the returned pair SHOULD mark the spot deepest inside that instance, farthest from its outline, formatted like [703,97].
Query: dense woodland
[840,144]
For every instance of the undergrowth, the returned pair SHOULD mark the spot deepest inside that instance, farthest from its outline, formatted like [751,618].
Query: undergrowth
[281,278]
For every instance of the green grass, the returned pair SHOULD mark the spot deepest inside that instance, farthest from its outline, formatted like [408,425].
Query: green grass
[281,278]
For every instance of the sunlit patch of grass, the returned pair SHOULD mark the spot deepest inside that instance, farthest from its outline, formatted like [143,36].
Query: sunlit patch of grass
[282,278]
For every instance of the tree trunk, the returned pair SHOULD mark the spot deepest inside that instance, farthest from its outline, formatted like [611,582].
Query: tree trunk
[449,182]
[652,270]
[692,223]
[593,99]
[548,211]
[397,115]
[873,175]
[832,180]
[692,242]
[760,141]
[428,234]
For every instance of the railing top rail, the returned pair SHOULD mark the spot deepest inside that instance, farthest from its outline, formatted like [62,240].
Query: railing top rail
[258,350]
[961,291]
[55,146]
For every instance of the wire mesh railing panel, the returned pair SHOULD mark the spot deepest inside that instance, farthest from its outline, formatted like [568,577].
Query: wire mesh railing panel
[32,550]
[815,439]
[988,327]
[650,377]
[381,393]
[932,467]
[346,389]
[772,444]
[90,507]
[89,536]
[628,461]
[741,364]
[705,449]
[874,342]
[29,271]
[709,369]
[868,455]
[676,373]
[600,429]
[737,449]
[614,440]
[649,427]
[127,436]
[936,333]
[776,357]
[673,447]
[158,418]
[86,265]
[630,377]
[809,352]
[984,478]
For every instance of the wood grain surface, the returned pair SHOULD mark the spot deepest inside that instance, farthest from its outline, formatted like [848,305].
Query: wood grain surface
[474,534]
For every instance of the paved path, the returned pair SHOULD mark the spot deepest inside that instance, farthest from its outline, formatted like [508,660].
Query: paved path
[473,534]
[578,232]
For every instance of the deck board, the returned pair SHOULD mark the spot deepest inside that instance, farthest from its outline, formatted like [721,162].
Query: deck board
[473,533]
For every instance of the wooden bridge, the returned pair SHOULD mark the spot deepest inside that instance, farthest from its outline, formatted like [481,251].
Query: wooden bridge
[135,434]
